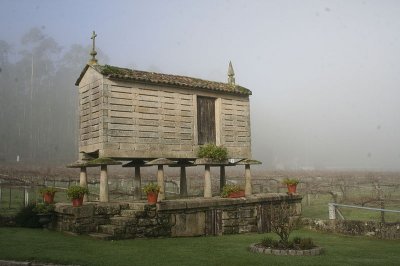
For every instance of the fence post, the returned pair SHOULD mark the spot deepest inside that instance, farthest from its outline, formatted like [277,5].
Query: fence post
[332,211]
[26,196]
[9,202]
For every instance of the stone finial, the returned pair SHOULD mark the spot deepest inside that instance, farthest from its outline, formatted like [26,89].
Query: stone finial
[231,74]
[93,53]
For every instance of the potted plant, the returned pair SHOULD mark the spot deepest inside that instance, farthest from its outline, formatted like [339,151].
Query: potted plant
[151,189]
[291,184]
[232,191]
[76,193]
[48,194]
[45,212]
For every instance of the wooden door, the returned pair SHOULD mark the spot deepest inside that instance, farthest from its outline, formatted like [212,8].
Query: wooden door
[206,120]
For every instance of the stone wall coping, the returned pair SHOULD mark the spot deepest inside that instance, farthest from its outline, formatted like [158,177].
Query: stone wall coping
[191,203]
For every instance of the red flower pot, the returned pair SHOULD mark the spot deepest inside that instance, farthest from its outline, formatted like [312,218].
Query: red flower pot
[152,197]
[237,194]
[77,202]
[48,198]
[292,188]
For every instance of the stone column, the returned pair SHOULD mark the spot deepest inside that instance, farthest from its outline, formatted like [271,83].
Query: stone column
[160,182]
[207,182]
[83,181]
[137,184]
[183,183]
[222,178]
[103,184]
[248,189]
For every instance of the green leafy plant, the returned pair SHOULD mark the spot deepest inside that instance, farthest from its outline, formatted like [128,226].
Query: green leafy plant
[43,208]
[27,217]
[49,190]
[228,189]
[306,243]
[76,192]
[213,151]
[151,187]
[290,181]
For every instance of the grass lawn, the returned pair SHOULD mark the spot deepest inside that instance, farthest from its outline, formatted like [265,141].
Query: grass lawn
[48,246]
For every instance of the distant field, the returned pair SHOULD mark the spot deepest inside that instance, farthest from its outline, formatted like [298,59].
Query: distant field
[353,188]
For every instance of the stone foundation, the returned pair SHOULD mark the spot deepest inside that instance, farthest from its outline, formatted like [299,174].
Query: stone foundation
[173,218]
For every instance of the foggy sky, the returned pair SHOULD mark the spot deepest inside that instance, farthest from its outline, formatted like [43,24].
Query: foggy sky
[324,74]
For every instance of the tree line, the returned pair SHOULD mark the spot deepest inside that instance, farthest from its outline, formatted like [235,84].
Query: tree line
[38,99]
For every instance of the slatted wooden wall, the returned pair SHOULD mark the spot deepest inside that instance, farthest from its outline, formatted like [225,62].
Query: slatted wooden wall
[131,120]
[235,116]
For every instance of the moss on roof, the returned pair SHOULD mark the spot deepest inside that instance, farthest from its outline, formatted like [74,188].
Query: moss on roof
[113,72]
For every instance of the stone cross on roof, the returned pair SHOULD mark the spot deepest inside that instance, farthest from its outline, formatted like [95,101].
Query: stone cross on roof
[93,53]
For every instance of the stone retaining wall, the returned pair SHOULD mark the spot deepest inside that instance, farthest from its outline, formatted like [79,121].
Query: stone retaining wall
[175,218]
[358,228]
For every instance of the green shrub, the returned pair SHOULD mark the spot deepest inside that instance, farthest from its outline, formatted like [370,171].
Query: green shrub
[306,243]
[213,151]
[43,208]
[267,242]
[27,217]
[296,240]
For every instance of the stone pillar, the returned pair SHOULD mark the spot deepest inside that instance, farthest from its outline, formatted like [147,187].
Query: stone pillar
[137,184]
[103,184]
[222,178]
[207,182]
[160,182]
[183,182]
[248,189]
[332,211]
[83,181]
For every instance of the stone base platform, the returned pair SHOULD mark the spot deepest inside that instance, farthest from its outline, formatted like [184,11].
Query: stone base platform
[172,218]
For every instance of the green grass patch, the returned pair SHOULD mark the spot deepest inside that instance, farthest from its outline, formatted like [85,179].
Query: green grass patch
[318,209]
[48,246]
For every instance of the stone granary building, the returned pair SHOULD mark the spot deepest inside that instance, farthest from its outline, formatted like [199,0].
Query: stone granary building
[159,119]
[146,118]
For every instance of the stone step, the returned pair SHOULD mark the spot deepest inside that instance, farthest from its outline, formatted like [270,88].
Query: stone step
[113,230]
[122,220]
[101,236]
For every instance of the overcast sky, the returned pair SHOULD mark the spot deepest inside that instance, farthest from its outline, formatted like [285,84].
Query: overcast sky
[325,75]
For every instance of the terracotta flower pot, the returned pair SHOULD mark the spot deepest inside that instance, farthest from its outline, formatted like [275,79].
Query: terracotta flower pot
[48,197]
[292,188]
[237,194]
[152,197]
[77,202]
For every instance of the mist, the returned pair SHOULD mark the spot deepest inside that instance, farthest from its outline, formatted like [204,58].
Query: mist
[324,74]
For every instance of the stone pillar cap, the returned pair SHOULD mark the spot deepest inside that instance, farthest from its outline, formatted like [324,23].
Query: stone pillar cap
[249,162]
[161,161]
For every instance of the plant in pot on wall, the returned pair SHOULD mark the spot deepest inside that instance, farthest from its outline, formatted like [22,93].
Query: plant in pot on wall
[291,184]
[48,194]
[151,189]
[232,191]
[76,193]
